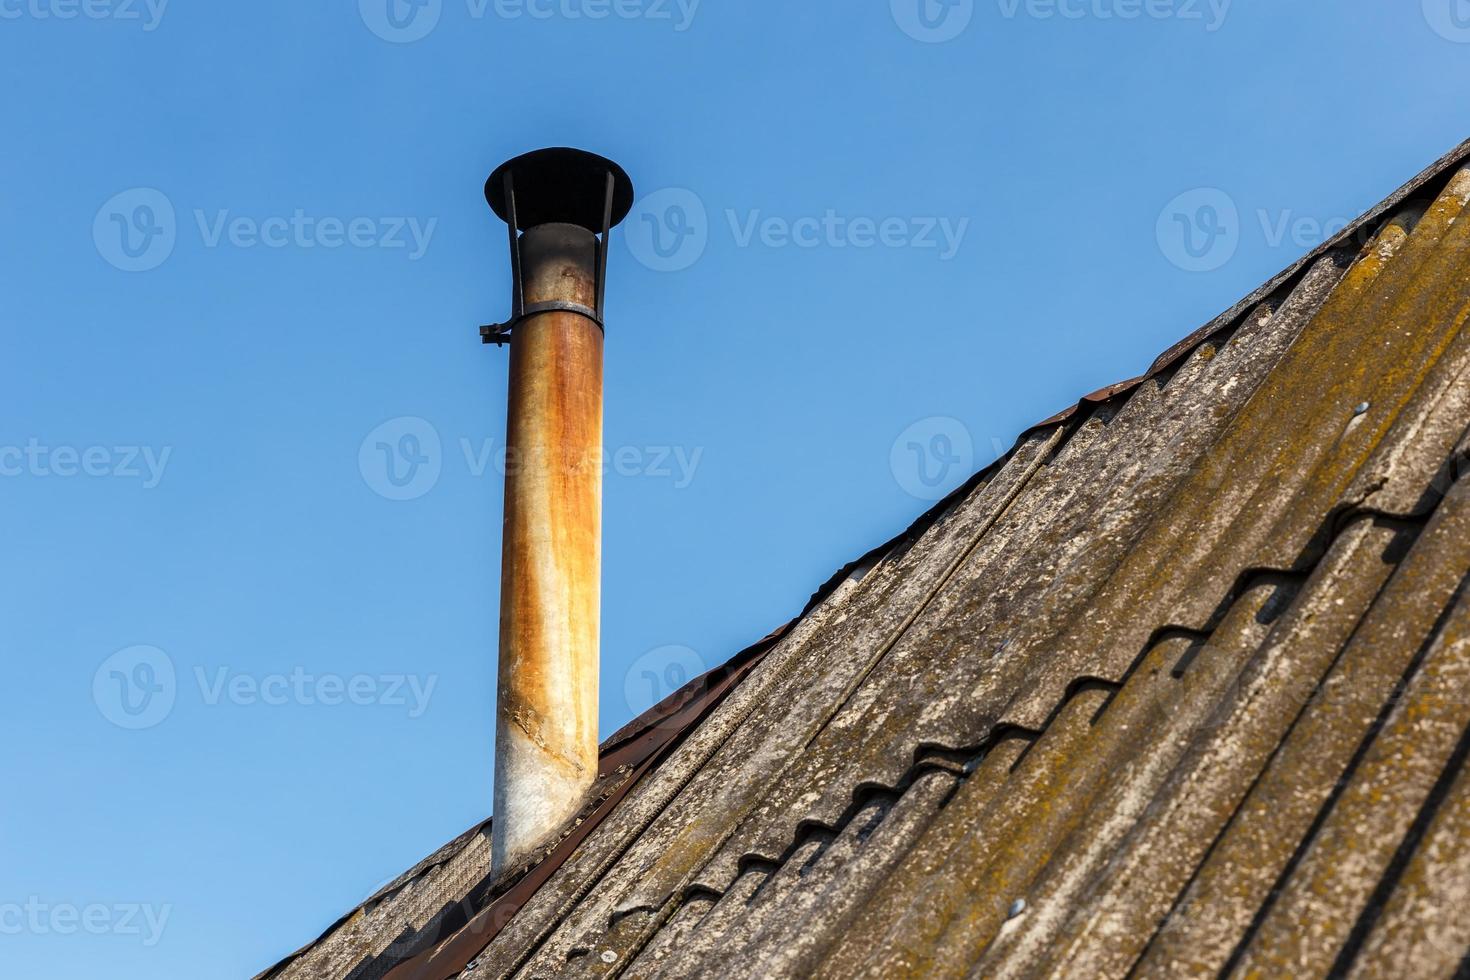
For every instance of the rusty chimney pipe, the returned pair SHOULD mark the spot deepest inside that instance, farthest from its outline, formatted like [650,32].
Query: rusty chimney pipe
[556,203]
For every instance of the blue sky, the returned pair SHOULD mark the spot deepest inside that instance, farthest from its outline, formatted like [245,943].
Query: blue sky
[249,675]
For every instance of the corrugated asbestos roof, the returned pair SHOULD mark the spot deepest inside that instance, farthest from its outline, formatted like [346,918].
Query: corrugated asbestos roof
[1180,686]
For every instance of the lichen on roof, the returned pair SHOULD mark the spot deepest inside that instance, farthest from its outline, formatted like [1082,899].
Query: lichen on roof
[1181,685]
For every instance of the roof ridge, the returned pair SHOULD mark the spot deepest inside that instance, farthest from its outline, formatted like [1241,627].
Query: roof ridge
[643,743]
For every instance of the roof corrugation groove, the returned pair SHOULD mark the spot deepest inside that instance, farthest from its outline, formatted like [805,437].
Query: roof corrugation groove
[1182,686]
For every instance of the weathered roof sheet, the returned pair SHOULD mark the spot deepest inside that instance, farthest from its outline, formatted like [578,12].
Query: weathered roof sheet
[1180,686]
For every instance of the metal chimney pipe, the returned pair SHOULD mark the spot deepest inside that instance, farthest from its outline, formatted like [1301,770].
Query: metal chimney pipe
[546,716]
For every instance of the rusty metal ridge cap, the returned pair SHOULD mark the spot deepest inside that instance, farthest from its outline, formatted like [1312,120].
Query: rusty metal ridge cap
[654,716]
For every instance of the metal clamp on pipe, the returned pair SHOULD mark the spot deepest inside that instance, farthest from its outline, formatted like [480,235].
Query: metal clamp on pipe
[499,333]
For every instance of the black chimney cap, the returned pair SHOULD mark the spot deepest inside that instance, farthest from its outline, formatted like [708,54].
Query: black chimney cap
[560,184]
